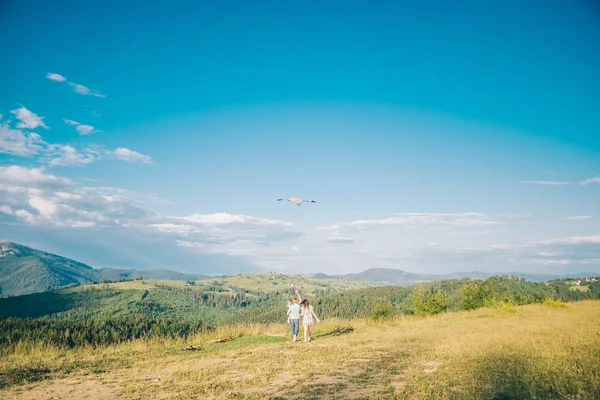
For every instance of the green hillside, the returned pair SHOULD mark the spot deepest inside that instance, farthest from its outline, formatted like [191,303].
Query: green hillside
[25,270]
[277,282]
[114,274]
[158,308]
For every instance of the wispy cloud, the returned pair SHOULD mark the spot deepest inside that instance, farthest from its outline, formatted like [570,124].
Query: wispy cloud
[56,77]
[546,182]
[29,120]
[576,217]
[340,240]
[65,155]
[468,219]
[81,129]
[35,197]
[77,88]
[590,181]
[595,239]
[124,154]
[18,142]
[30,177]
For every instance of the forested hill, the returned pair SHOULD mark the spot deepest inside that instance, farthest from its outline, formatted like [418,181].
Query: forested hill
[25,270]
[107,313]
[165,274]
[391,276]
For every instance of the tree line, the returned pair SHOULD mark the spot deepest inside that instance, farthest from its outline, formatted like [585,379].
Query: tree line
[102,316]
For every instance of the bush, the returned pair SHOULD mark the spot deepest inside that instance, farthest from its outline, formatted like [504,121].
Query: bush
[427,302]
[554,303]
[381,311]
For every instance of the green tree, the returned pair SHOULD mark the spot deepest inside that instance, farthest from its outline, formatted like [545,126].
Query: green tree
[381,311]
[473,296]
[429,301]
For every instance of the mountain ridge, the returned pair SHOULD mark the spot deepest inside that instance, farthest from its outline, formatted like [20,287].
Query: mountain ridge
[397,276]
[25,270]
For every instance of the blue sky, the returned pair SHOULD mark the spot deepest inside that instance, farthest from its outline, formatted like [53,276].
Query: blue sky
[434,137]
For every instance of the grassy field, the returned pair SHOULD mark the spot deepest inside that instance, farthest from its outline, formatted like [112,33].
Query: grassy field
[286,282]
[256,282]
[580,288]
[545,351]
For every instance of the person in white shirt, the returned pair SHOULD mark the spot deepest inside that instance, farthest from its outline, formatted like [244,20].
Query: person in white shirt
[294,316]
[307,313]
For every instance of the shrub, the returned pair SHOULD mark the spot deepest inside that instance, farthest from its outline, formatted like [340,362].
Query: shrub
[381,311]
[554,303]
[427,302]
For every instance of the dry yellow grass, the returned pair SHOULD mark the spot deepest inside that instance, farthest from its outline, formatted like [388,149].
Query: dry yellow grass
[535,351]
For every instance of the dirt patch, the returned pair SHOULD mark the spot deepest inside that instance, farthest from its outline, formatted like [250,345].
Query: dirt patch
[430,366]
[236,376]
[68,389]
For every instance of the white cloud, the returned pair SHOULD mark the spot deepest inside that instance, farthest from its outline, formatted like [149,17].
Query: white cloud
[468,219]
[34,197]
[17,175]
[226,218]
[18,142]
[56,77]
[124,154]
[81,129]
[340,240]
[43,206]
[77,88]
[48,200]
[6,209]
[594,239]
[590,181]
[173,228]
[576,217]
[26,216]
[84,90]
[29,120]
[65,155]
[546,182]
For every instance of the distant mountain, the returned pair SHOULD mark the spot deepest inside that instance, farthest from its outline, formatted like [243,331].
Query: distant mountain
[391,276]
[25,270]
[164,274]
[319,275]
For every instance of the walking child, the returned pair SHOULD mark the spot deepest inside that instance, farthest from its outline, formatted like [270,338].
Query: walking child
[307,315]
[294,316]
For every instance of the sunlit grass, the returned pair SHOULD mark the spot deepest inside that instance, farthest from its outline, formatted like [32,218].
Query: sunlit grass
[535,351]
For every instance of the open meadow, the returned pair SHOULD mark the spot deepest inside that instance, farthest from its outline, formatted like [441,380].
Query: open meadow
[546,351]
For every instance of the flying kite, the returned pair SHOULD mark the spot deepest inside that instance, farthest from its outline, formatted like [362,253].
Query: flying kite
[296,200]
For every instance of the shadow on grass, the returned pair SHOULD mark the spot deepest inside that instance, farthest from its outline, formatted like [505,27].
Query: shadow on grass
[335,332]
[15,376]
[512,377]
